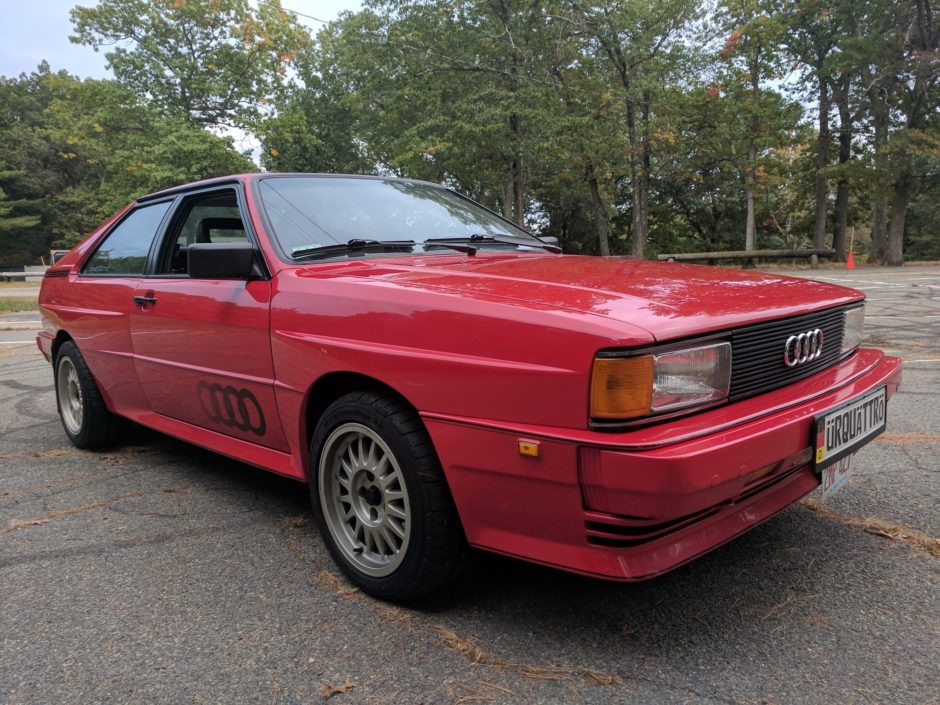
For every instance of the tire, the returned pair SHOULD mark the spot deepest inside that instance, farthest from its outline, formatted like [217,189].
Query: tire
[380,498]
[85,417]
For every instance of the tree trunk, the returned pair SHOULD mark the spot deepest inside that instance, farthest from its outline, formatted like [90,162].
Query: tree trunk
[518,186]
[750,232]
[822,161]
[518,191]
[645,172]
[839,242]
[879,232]
[750,229]
[601,223]
[842,188]
[879,227]
[507,197]
[638,222]
[902,188]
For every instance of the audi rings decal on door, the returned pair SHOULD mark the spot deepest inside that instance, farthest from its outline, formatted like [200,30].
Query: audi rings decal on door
[235,408]
[803,347]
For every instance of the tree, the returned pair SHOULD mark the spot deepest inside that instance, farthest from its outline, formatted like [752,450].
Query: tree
[8,219]
[634,36]
[75,151]
[752,57]
[216,62]
[919,100]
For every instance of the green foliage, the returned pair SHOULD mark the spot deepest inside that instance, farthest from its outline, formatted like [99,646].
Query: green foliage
[75,151]
[640,126]
[215,62]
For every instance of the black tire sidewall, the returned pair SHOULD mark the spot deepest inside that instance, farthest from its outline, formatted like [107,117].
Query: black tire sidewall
[97,422]
[347,410]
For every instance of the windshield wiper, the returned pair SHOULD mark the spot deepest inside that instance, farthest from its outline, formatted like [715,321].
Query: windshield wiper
[499,239]
[441,242]
[354,245]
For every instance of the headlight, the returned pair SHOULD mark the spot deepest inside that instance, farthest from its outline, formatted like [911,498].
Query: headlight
[630,387]
[854,328]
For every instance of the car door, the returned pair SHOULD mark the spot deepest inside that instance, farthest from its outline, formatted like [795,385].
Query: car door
[202,347]
[96,306]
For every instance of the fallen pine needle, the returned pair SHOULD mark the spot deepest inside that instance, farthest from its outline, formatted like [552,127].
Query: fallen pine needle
[335,583]
[478,656]
[879,527]
[328,691]
[17,525]
[488,684]
[467,648]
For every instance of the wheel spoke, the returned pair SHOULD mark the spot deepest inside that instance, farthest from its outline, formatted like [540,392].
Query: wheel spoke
[364,499]
[380,543]
[381,467]
[395,528]
[359,532]
[388,538]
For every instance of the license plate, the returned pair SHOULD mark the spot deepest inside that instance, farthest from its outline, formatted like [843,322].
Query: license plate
[834,475]
[845,429]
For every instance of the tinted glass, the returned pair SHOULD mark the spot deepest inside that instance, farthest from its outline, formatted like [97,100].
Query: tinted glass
[308,212]
[124,250]
[208,218]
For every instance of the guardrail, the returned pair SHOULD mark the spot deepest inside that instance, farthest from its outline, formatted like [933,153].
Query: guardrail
[750,256]
[22,274]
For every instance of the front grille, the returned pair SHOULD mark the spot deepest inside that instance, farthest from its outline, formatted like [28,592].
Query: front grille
[757,364]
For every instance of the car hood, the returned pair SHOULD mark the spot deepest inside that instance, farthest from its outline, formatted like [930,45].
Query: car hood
[668,300]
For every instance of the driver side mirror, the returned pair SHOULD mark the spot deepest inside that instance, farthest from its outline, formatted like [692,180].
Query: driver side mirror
[222,260]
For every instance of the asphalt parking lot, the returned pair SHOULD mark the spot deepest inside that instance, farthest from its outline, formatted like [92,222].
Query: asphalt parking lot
[160,573]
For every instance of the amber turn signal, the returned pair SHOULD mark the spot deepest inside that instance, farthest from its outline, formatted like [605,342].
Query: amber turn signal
[622,388]
[529,448]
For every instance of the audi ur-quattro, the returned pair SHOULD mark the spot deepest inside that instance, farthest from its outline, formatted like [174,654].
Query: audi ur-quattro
[442,379]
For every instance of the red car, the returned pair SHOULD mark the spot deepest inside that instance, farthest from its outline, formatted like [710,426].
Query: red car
[444,379]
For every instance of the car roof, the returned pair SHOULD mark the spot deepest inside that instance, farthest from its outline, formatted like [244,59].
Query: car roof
[255,176]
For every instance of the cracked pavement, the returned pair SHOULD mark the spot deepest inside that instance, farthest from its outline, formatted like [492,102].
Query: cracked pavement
[157,572]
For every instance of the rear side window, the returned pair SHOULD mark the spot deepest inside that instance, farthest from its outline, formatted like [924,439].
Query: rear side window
[125,249]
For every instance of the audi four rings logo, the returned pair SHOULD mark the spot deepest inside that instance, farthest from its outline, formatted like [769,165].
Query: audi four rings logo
[803,347]
[235,408]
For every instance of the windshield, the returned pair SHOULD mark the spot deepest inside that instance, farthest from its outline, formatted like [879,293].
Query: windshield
[310,212]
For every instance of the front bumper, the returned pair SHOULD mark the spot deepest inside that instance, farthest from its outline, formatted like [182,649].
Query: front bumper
[632,505]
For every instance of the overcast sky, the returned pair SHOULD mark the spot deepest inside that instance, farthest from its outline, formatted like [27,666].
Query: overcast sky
[31,31]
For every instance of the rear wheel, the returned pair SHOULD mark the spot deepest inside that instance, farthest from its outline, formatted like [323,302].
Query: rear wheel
[380,498]
[85,418]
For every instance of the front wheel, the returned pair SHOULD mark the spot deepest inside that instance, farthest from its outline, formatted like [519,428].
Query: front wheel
[380,498]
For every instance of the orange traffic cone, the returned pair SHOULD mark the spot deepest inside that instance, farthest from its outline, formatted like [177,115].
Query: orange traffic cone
[850,260]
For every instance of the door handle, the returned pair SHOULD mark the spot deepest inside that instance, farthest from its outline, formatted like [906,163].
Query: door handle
[144,300]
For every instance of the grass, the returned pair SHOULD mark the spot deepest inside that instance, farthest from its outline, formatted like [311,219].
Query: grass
[17,304]
[18,285]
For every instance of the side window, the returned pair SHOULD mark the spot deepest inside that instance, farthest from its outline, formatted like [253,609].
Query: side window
[125,249]
[213,217]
